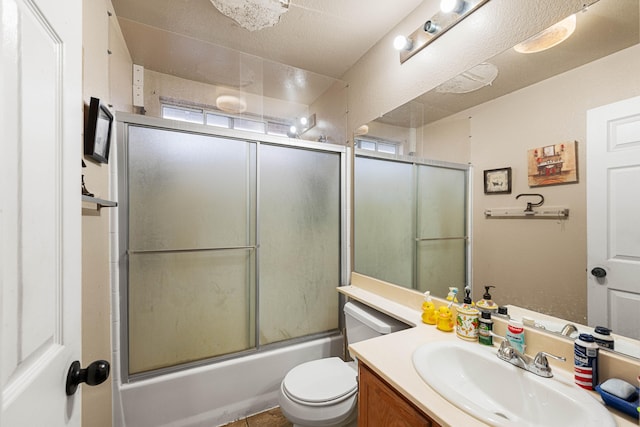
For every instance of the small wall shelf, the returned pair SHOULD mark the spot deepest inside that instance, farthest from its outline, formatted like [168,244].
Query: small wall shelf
[100,203]
[550,212]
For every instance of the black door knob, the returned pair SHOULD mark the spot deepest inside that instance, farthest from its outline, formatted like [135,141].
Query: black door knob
[96,373]
[599,272]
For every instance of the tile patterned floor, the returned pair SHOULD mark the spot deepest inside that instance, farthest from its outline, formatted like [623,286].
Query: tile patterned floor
[271,418]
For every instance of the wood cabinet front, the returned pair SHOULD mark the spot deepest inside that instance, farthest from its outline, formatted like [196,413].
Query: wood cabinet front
[380,405]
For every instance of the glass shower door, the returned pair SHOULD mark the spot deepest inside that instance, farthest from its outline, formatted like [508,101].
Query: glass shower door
[441,243]
[299,242]
[192,238]
[384,211]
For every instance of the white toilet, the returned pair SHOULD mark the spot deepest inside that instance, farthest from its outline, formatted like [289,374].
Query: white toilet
[324,392]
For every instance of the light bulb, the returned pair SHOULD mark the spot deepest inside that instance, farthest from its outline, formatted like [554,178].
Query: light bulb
[293,130]
[402,43]
[448,6]
[303,121]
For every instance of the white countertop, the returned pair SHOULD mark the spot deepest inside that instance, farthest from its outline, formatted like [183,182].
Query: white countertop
[390,356]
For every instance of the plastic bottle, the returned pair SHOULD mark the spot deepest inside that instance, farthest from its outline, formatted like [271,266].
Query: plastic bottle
[515,335]
[428,310]
[484,328]
[603,337]
[503,312]
[585,361]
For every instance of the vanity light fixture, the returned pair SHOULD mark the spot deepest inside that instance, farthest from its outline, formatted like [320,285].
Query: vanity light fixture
[402,43]
[546,39]
[451,13]
[302,125]
[456,6]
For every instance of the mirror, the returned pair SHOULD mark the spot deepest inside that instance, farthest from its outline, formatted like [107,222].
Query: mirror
[539,265]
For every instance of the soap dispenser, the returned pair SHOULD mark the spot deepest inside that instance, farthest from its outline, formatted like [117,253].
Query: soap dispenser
[428,310]
[467,319]
[486,303]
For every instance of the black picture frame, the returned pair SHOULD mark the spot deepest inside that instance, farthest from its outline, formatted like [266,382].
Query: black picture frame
[497,181]
[97,132]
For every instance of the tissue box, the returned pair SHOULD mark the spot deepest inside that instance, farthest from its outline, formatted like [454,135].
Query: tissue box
[628,407]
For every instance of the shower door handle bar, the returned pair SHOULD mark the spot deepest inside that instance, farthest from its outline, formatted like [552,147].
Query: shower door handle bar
[426,239]
[162,251]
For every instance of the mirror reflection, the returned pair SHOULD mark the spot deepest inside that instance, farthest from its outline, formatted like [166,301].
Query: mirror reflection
[536,100]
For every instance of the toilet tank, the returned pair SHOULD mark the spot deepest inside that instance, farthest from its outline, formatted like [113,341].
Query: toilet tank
[364,322]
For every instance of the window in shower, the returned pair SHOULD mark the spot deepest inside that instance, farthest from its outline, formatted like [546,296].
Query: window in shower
[379,145]
[274,126]
[411,223]
[231,245]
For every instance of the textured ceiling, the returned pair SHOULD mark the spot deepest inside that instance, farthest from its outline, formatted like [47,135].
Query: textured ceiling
[322,36]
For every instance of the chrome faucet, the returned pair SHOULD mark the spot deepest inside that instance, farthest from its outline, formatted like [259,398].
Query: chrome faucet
[568,329]
[508,353]
[539,365]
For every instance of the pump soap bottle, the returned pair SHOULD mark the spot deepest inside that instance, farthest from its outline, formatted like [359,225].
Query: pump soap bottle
[467,319]
[428,310]
[486,303]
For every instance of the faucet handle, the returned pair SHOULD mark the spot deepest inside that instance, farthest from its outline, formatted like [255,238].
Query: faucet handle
[541,364]
[506,350]
[541,358]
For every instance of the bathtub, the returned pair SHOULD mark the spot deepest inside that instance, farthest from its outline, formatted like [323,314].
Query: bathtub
[216,394]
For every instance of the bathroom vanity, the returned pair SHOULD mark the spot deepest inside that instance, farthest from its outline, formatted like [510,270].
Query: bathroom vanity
[390,386]
[380,404]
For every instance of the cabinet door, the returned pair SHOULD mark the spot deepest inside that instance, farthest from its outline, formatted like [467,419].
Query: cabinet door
[380,405]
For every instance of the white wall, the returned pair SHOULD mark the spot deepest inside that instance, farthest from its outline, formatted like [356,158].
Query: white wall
[107,77]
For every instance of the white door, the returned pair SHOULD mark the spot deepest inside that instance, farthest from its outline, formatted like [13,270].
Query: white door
[613,209]
[41,120]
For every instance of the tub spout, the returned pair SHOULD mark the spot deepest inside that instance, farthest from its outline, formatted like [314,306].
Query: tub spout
[568,329]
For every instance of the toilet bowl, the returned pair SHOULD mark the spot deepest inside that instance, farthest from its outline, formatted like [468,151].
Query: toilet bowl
[324,392]
[320,393]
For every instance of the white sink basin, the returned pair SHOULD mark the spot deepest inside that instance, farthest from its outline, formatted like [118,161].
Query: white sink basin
[471,377]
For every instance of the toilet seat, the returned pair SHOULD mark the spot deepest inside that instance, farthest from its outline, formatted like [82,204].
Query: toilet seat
[320,382]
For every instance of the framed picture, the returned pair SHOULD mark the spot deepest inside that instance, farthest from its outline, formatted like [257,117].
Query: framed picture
[552,164]
[97,132]
[497,181]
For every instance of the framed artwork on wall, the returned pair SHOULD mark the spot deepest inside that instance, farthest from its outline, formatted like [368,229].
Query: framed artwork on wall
[497,181]
[552,164]
[97,132]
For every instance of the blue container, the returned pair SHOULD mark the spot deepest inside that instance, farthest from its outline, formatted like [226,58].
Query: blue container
[628,407]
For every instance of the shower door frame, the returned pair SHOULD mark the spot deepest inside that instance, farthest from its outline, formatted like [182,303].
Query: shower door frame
[415,162]
[120,189]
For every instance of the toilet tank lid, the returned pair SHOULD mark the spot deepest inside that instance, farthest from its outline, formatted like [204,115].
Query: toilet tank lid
[371,317]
